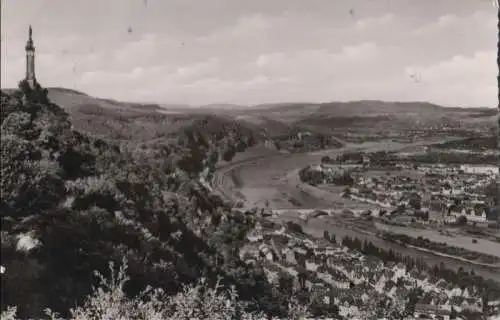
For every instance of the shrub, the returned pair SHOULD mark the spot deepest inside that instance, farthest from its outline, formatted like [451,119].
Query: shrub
[294,227]
[197,301]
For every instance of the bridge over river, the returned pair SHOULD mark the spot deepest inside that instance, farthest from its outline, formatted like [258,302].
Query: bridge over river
[271,181]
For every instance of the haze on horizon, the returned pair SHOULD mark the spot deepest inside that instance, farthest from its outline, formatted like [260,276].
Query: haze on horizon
[260,51]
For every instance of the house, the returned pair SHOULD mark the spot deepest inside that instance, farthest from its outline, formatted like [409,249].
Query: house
[443,300]
[399,270]
[426,299]
[479,169]
[380,284]
[402,292]
[457,303]
[311,266]
[431,311]
[493,307]
[290,257]
[390,288]
[450,219]
[317,287]
[458,211]
[466,293]
[441,284]
[473,305]
[433,280]
[455,291]
[255,236]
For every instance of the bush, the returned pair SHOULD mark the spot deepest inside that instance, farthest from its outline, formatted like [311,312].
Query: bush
[294,227]
[108,300]
[462,221]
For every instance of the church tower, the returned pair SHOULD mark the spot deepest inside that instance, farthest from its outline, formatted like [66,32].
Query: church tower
[30,60]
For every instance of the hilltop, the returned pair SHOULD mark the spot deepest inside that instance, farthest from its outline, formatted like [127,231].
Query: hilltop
[279,118]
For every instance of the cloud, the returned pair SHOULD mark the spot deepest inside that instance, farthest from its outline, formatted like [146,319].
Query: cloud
[245,26]
[249,25]
[359,52]
[374,22]
[460,80]
[450,28]
[443,22]
[465,69]
[198,69]
[318,63]
[283,50]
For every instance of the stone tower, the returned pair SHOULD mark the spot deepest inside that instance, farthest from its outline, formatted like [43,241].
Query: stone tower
[30,60]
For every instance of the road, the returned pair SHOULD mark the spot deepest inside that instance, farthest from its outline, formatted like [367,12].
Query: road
[272,181]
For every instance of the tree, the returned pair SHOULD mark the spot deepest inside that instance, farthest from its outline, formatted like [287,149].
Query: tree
[453,314]
[333,239]
[295,227]
[415,201]
[346,193]
[462,221]
[199,301]
[492,191]
[285,283]
[413,297]
[326,236]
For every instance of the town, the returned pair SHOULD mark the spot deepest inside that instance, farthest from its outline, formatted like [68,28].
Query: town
[341,273]
[223,159]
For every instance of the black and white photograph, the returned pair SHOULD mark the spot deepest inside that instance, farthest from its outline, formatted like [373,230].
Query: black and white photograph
[250,159]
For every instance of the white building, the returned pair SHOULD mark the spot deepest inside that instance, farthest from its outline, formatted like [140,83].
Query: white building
[479,169]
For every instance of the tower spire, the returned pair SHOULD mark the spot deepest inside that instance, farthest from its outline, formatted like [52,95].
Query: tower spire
[30,59]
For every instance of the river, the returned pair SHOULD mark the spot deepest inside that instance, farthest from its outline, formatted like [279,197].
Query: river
[271,181]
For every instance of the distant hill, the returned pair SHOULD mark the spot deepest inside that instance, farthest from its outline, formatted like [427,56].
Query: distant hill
[365,107]
[70,100]
[222,106]
[374,115]
[142,121]
[72,91]
[270,126]
[276,119]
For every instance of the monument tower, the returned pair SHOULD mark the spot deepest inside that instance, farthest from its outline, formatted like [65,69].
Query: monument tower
[30,60]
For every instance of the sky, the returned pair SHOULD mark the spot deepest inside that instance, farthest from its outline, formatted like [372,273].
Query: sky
[258,51]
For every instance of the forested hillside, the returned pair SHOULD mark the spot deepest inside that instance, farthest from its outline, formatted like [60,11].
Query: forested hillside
[72,201]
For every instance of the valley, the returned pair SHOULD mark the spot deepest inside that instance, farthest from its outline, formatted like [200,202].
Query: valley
[272,182]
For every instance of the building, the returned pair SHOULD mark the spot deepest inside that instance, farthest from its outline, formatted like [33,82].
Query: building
[479,169]
[431,311]
[30,60]
[494,213]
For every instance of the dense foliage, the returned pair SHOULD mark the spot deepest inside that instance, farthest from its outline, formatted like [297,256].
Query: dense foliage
[71,202]
[314,177]
[297,139]
[441,247]
[108,300]
[473,144]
